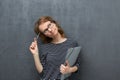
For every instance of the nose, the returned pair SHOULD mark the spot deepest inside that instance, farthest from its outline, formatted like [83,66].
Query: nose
[49,29]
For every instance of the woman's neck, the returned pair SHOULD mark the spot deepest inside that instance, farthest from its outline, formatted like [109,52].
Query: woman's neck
[58,39]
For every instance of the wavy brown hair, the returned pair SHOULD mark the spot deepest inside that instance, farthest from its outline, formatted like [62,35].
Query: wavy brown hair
[42,20]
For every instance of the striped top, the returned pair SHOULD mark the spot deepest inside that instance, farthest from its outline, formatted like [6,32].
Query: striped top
[52,56]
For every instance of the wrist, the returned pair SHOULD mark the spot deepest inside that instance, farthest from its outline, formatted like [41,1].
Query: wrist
[70,70]
[73,69]
[36,54]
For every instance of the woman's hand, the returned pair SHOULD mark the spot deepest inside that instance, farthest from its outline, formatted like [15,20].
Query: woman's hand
[64,69]
[34,47]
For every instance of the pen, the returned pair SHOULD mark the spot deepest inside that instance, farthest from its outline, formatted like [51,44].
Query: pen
[37,36]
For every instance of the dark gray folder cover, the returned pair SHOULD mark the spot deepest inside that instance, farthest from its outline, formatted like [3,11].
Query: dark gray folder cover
[71,56]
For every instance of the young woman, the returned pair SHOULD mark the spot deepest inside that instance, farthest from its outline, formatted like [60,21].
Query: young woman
[50,57]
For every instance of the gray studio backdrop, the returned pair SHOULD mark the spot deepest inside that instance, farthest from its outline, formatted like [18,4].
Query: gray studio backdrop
[95,24]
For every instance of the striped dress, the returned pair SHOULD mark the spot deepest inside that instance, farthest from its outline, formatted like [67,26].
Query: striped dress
[52,56]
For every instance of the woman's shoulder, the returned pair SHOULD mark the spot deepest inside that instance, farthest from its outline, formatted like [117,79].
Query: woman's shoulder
[72,41]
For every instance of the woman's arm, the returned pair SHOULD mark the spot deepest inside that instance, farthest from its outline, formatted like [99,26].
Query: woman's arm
[34,50]
[38,64]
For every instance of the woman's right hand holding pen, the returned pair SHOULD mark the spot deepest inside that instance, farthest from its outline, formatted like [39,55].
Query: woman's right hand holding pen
[34,47]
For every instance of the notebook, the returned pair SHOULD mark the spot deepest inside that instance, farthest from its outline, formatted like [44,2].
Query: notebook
[71,56]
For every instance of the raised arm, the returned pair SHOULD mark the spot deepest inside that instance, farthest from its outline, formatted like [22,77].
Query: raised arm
[34,50]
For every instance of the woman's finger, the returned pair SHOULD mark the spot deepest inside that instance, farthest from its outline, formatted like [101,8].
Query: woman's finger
[35,40]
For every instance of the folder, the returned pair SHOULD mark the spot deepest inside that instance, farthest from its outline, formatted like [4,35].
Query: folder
[71,56]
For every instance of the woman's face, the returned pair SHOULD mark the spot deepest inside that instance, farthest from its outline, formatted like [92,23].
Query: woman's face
[49,29]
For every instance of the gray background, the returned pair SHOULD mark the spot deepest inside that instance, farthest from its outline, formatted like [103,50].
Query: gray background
[95,24]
